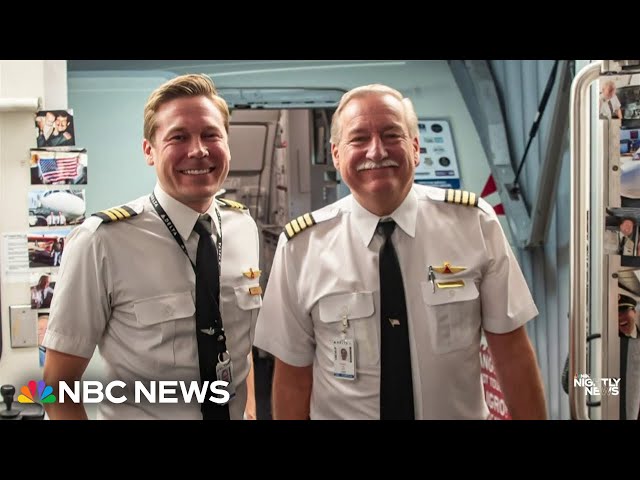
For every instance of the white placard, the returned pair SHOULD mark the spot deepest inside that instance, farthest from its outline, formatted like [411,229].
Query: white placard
[15,257]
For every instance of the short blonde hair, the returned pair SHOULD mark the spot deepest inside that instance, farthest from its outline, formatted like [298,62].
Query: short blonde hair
[191,85]
[410,117]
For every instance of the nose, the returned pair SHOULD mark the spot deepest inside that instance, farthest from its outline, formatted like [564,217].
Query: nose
[198,149]
[375,149]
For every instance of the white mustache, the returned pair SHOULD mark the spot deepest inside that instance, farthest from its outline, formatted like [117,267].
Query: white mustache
[370,165]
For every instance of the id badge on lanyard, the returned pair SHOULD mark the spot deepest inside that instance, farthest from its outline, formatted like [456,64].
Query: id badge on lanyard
[344,352]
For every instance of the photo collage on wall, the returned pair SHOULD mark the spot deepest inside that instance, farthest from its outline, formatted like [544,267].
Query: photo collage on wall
[57,204]
[620,99]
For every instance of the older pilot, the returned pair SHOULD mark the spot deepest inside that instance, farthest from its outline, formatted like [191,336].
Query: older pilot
[405,277]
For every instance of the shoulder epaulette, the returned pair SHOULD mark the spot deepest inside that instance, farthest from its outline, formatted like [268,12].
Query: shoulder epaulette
[461,197]
[224,202]
[116,213]
[299,224]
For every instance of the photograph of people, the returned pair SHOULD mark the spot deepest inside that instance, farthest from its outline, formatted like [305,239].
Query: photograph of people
[46,247]
[42,291]
[622,234]
[55,128]
[609,102]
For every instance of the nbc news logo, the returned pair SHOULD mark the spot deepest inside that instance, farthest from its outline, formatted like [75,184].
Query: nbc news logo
[38,392]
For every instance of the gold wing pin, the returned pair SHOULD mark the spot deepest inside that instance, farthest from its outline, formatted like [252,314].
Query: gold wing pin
[252,273]
[448,268]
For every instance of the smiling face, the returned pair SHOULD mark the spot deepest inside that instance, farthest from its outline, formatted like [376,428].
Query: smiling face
[190,150]
[627,321]
[626,227]
[62,123]
[375,153]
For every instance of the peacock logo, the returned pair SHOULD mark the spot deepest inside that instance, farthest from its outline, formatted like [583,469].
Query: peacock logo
[36,392]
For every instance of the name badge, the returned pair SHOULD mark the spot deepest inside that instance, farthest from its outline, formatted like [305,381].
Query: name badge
[453,284]
[255,290]
[344,358]
[224,372]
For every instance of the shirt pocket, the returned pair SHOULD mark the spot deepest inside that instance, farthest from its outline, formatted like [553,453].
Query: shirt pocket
[169,321]
[453,315]
[248,308]
[363,325]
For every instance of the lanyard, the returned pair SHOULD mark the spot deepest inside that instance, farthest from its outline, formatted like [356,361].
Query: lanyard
[222,360]
[176,236]
[174,231]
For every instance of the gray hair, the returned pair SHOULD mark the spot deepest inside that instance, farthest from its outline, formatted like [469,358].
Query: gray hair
[410,117]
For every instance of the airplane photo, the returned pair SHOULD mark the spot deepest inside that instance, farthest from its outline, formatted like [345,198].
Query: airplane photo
[51,208]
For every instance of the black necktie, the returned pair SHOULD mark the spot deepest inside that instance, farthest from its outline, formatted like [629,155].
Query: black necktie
[613,113]
[396,384]
[207,313]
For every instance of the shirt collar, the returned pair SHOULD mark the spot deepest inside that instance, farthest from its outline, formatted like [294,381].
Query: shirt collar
[405,217]
[184,218]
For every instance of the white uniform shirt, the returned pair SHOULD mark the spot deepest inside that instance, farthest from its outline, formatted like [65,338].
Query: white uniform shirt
[606,105]
[332,267]
[128,288]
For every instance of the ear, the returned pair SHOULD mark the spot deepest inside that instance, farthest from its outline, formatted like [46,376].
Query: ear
[336,156]
[147,149]
[416,151]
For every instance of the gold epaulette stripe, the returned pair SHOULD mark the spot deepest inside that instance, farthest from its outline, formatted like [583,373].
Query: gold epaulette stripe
[233,204]
[129,210]
[461,197]
[108,214]
[116,213]
[297,225]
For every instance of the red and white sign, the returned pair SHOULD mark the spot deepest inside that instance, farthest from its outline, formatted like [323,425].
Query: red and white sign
[492,393]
